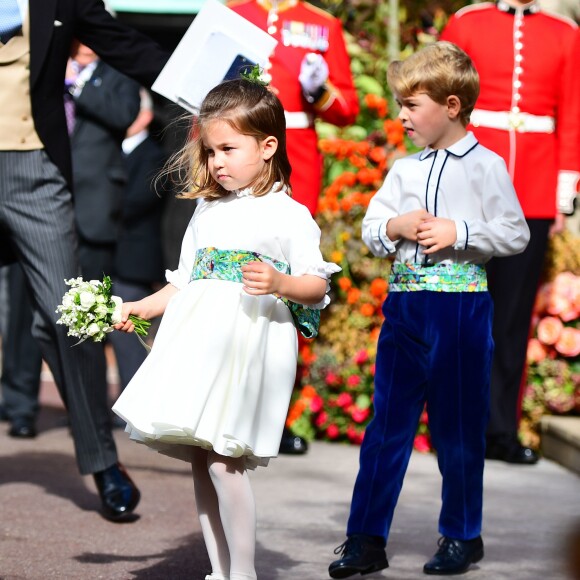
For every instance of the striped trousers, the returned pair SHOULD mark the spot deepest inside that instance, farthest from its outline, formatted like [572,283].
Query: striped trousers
[36,213]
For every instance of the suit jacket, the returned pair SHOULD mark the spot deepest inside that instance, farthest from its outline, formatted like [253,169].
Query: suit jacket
[107,105]
[139,252]
[53,26]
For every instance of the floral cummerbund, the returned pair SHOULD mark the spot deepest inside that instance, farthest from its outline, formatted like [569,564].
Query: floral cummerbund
[438,278]
[215,264]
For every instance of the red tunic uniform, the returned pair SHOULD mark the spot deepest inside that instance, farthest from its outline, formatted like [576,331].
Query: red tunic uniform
[528,63]
[301,28]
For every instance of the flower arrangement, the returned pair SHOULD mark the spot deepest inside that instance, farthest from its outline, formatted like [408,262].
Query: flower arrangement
[89,310]
[553,356]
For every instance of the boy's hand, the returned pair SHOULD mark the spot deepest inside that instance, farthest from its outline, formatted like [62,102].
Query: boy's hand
[436,234]
[407,225]
[260,278]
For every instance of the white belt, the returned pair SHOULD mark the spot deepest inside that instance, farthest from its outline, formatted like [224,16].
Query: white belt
[298,120]
[521,122]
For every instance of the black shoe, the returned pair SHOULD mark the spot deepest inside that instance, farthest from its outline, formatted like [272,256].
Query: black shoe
[291,444]
[360,554]
[119,495]
[510,450]
[22,428]
[454,556]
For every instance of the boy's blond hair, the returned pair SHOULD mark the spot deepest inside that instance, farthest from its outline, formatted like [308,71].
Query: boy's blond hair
[439,70]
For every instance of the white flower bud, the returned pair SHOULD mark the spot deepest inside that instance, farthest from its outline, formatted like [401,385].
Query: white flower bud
[116,316]
[93,329]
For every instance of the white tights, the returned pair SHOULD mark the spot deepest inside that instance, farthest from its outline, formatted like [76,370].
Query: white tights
[227,514]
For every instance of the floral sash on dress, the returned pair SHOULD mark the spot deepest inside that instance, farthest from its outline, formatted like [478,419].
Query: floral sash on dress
[215,264]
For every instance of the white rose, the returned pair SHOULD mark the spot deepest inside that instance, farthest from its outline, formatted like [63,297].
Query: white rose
[116,316]
[101,310]
[87,299]
[93,329]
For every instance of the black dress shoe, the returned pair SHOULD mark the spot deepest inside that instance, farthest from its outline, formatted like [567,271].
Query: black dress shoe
[360,554]
[119,495]
[510,450]
[22,428]
[291,444]
[454,556]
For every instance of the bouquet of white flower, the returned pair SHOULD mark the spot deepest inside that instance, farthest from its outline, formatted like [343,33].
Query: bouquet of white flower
[90,310]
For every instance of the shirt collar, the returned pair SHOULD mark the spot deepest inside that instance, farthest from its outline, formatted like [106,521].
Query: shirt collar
[458,149]
[525,9]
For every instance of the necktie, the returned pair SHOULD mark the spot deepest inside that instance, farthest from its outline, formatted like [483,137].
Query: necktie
[10,19]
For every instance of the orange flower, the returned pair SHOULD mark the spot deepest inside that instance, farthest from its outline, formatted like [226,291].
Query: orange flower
[367,309]
[308,391]
[336,256]
[347,178]
[568,343]
[353,295]
[377,154]
[346,204]
[344,283]
[549,329]
[378,287]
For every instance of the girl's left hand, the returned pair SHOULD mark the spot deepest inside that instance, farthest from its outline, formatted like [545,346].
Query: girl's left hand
[260,278]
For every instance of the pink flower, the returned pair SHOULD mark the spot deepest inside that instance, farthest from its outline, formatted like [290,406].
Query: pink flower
[361,357]
[421,444]
[332,431]
[353,435]
[549,329]
[536,351]
[372,369]
[568,343]
[331,378]
[359,415]
[321,419]
[353,380]
[344,400]
[316,404]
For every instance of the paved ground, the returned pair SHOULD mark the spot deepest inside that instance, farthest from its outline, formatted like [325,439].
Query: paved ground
[50,527]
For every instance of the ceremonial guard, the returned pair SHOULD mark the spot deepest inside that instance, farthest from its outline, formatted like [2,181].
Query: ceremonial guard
[528,112]
[310,72]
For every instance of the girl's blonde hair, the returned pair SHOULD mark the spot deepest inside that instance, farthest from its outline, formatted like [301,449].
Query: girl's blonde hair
[250,109]
[439,70]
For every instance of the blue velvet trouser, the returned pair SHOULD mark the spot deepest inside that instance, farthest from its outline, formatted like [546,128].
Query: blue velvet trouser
[434,347]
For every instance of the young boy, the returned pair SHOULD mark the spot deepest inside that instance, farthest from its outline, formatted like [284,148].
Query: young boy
[442,212]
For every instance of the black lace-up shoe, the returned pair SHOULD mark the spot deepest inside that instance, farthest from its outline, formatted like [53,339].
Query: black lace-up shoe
[119,495]
[454,556]
[360,554]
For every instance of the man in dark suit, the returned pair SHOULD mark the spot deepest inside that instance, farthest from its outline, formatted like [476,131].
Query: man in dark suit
[36,213]
[105,104]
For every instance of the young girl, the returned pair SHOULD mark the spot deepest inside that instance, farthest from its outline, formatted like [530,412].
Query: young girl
[216,387]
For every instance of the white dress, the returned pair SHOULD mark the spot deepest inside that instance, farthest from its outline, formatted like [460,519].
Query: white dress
[221,371]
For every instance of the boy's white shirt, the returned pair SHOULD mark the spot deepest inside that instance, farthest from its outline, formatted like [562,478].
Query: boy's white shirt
[468,184]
